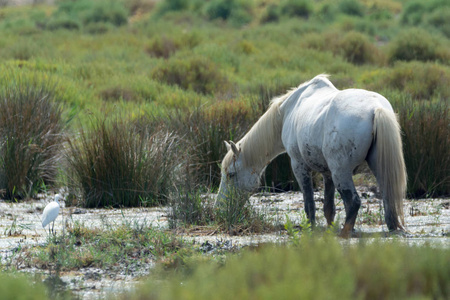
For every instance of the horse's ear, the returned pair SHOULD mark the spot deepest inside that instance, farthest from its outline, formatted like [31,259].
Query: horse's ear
[235,149]
[227,145]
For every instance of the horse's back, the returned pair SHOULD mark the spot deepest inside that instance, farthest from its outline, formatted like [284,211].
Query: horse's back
[333,130]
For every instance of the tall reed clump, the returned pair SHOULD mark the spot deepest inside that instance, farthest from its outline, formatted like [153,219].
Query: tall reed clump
[426,140]
[31,135]
[119,164]
[204,129]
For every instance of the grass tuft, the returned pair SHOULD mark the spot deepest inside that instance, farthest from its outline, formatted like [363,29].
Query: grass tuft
[119,164]
[426,150]
[31,135]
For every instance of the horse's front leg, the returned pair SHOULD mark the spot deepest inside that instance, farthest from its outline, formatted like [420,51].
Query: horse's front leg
[303,175]
[352,202]
[329,208]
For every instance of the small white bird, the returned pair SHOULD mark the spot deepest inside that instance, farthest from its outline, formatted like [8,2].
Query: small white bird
[50,213]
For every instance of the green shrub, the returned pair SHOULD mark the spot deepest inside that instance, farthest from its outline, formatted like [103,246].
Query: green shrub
[119,164]
[220,9]
[17,286]
[97,28]
[195,73]
[238,12]
[351,7]
[63,22]
[104,11]
[416,79]
[440,20]
[356,48]
[31,135]
[412,12]
[172,5]
[162,46]
[327,12]
[86,12]
[417,44]
[165,46]
[416,12]
[296,8]
[426,139]
[328,270]
[272,14]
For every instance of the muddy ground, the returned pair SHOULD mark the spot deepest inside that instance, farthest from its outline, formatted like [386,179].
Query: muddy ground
[427,221]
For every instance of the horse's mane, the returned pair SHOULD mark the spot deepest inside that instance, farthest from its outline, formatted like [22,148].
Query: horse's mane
[264,136]
[261,136]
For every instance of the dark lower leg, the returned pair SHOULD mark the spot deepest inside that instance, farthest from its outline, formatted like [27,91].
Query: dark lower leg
[329,207]
[352,204]
[308,195]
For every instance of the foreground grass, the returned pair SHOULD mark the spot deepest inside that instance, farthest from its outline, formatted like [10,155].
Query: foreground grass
[318,268]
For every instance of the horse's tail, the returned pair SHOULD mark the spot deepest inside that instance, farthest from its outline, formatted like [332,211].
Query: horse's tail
[391,170]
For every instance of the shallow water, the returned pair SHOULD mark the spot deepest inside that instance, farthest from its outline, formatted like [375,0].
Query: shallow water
[427,222]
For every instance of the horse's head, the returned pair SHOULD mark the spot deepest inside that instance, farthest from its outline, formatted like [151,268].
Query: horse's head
[236,175]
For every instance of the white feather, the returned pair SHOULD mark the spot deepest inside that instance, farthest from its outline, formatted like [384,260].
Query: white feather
[51,211]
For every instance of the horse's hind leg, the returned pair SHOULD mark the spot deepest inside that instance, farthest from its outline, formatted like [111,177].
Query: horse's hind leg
[345,186]
[303,176]
[329,207]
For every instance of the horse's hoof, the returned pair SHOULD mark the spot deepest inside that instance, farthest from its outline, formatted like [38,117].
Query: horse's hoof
[348,232]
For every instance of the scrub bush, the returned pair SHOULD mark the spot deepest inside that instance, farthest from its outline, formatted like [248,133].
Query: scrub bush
[237,12]
[272,14]
[417,44]
[356,48]
[63,22]
[416,12]
[351,8]
[440,20]
[196,74]
[415,79]
[87,12]
[296,8]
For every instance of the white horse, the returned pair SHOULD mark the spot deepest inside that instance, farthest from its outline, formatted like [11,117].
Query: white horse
[329,131]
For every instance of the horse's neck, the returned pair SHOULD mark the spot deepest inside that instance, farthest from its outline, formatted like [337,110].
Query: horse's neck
[263,142]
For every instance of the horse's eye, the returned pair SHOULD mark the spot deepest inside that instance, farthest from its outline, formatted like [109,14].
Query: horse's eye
[231,175]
